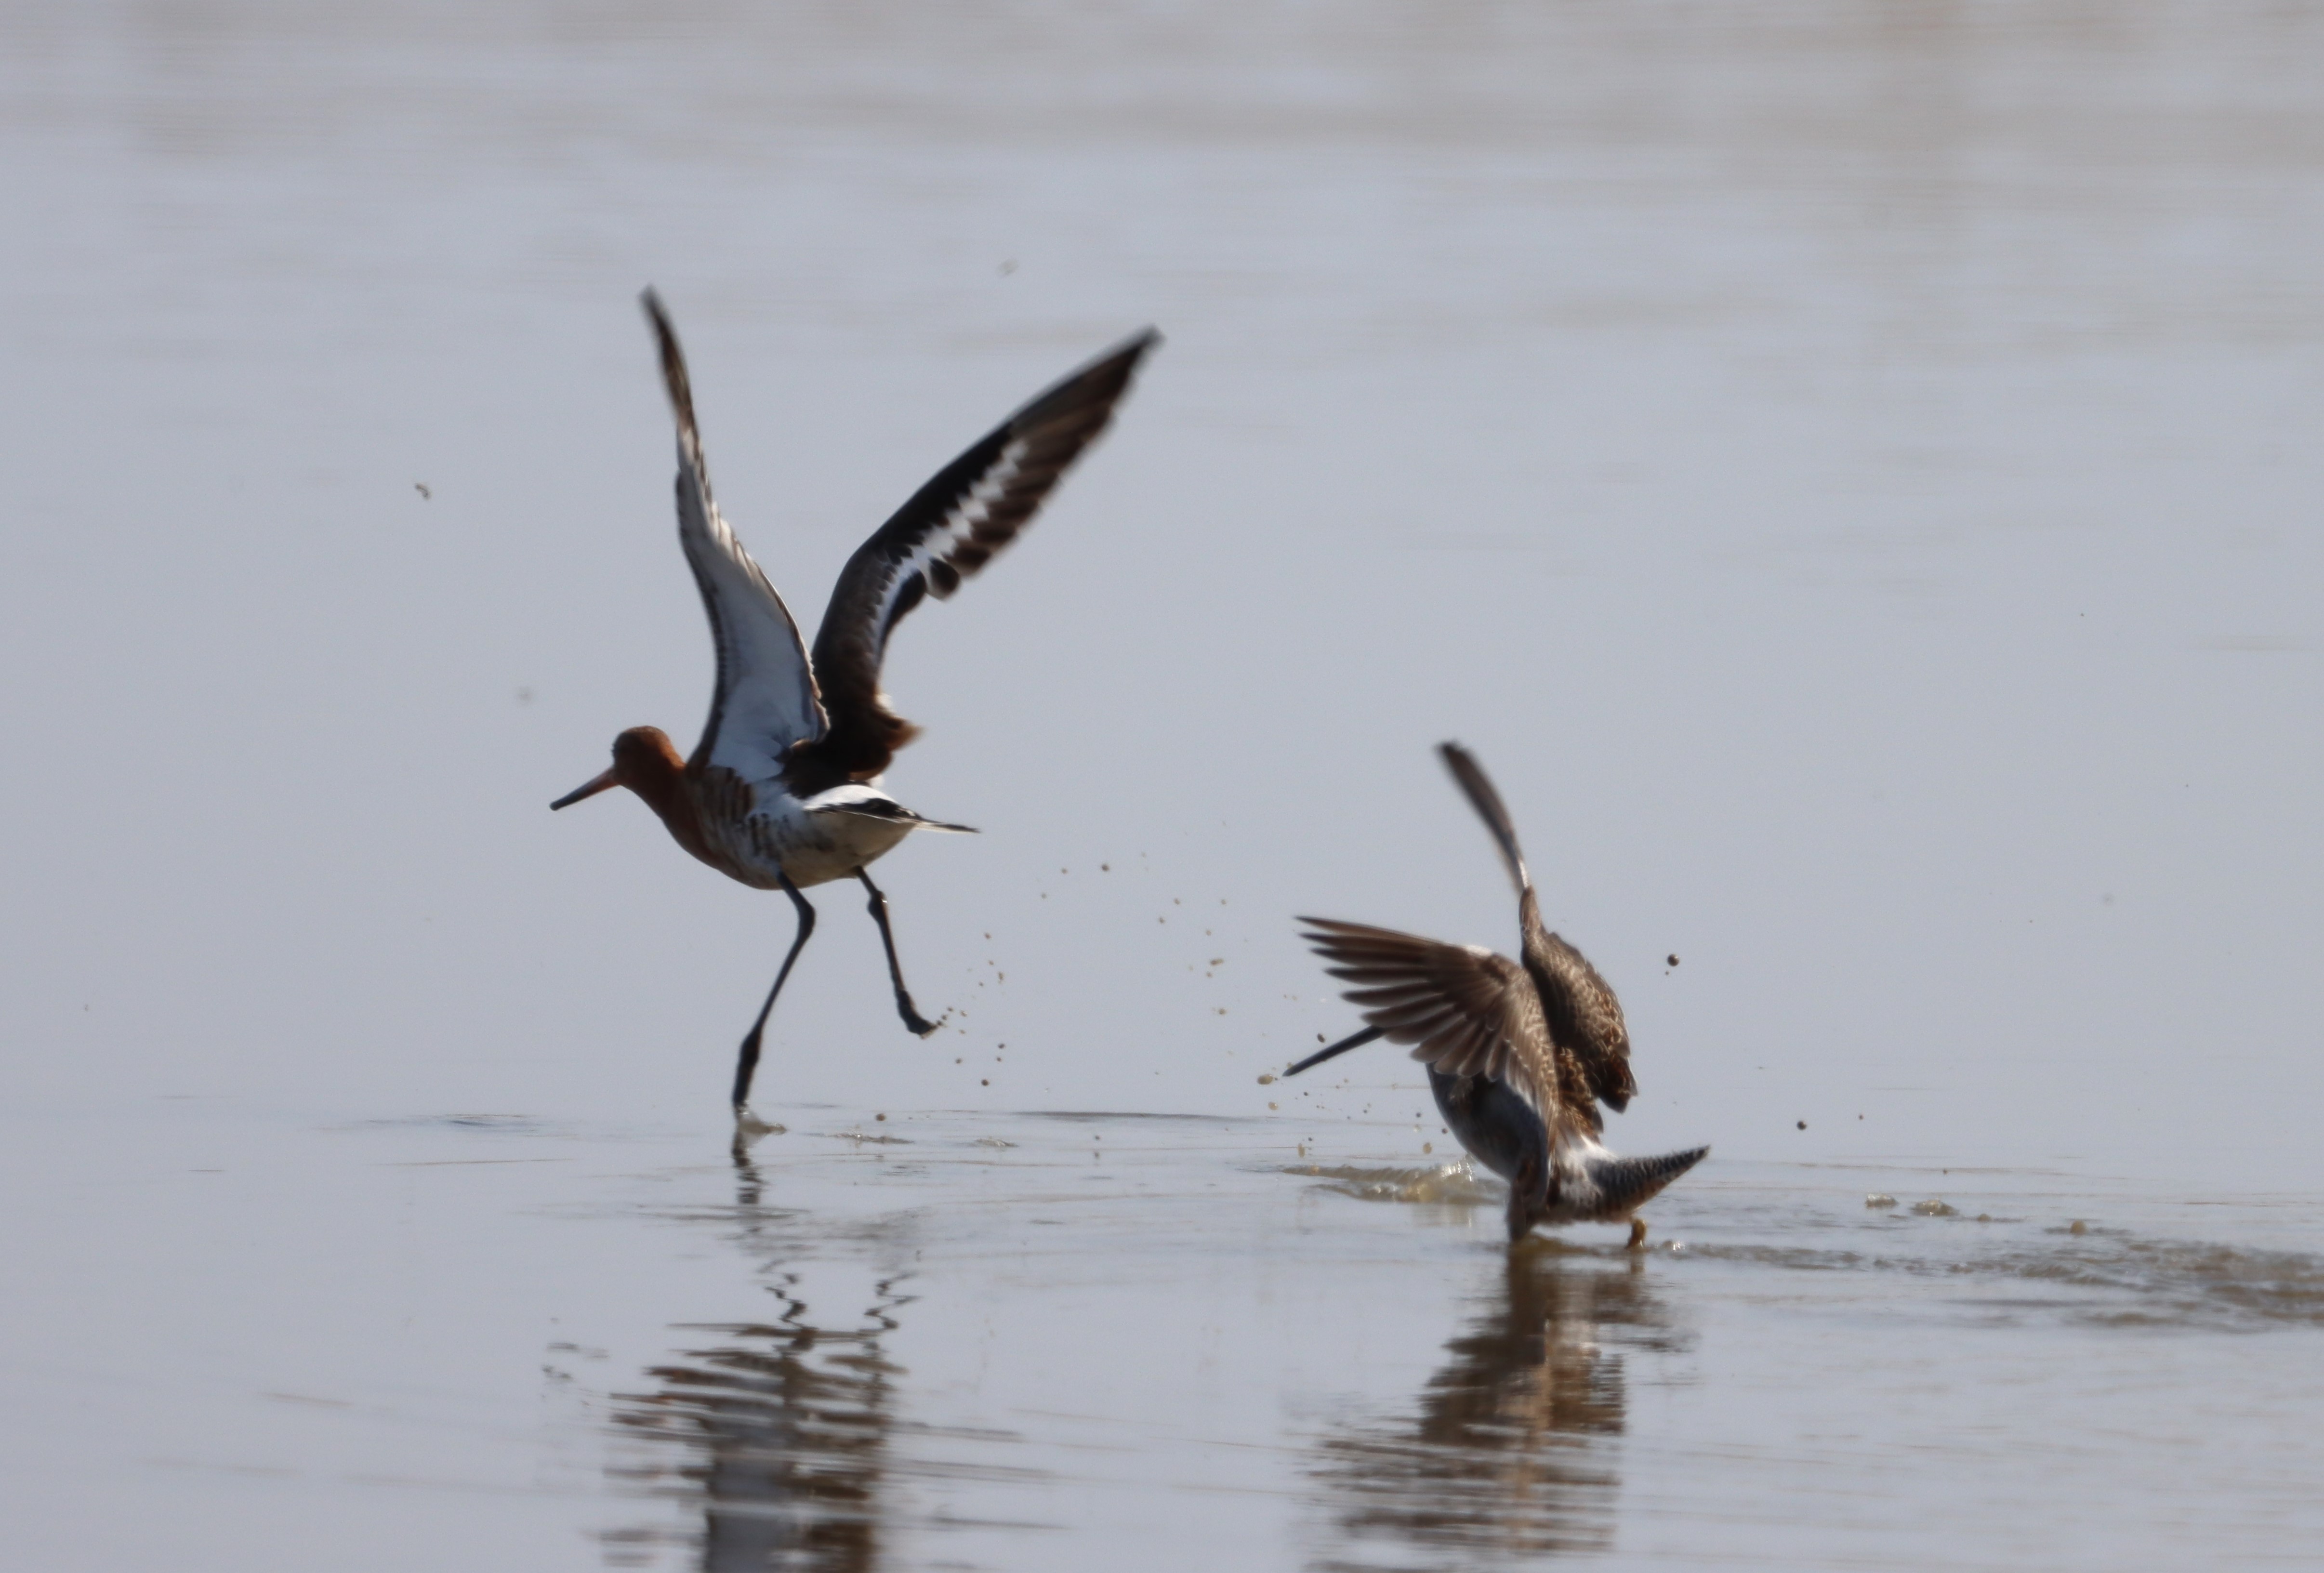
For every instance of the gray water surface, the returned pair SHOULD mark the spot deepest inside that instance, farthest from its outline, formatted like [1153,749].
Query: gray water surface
[1850,472]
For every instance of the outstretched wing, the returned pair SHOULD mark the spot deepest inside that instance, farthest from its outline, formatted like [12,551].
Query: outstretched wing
[1468,1011]
[765,700]
[975,505]
[1479,788]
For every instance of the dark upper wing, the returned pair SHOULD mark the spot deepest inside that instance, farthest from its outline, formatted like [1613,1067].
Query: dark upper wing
[1479,787]
[973,507]
[1470,1012]
[765,698]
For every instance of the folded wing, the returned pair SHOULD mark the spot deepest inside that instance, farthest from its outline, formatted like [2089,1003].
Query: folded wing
[1584,1015]
[1468,1011]
[951,528]
[765,700]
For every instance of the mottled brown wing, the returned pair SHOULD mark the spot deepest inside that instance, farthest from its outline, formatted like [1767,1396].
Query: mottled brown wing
[1468,1011]
[952,527]
[1585,1018]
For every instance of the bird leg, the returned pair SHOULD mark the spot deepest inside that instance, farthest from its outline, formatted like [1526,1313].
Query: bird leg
[913,1021]
[747,1065]
[1523,1203]
[1638,1235]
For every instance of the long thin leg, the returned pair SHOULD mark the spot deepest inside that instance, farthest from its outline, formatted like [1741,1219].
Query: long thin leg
[748,1064]
[1352,1040]
[913,1019]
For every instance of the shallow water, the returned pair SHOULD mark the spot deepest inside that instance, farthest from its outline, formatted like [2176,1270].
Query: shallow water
[1041,1340]
[1849,473]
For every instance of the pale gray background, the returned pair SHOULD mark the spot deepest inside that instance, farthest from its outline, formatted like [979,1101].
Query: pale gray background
[1851,471]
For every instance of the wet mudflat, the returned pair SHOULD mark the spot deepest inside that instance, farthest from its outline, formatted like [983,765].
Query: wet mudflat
[1851,474]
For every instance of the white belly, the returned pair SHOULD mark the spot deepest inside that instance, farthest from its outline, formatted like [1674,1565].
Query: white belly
[812,848]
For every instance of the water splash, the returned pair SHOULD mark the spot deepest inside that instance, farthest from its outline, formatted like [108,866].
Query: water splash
[1449,1184]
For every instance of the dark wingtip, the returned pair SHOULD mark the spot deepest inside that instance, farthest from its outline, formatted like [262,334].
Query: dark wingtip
[1477,788]
[1134,348]
[673,359]
[1095,388]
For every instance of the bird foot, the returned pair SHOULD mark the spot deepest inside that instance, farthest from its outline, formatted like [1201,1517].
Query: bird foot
[749,1127]
[1638,1235]
[917,1024]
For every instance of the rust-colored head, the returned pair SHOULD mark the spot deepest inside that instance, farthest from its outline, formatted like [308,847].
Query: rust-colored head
[645,761]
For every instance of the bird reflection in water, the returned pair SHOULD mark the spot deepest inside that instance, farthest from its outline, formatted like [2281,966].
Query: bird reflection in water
[1512,1453]
[780,1429]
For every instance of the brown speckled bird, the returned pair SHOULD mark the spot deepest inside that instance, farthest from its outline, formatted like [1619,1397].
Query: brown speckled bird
[1519,1053]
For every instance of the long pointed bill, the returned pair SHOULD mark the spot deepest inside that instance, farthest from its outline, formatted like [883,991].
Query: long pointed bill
[587,789]
[1352,1040]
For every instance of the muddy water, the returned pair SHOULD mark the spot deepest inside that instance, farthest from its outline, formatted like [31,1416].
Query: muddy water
[1853,477]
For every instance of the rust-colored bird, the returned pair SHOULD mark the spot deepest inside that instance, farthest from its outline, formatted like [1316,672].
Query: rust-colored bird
[783,791]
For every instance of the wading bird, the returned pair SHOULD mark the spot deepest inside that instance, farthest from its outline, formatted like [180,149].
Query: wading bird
[783,791]
[1519,1055]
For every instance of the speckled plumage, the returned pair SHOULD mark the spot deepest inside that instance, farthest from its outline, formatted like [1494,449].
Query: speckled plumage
[1519,1053]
